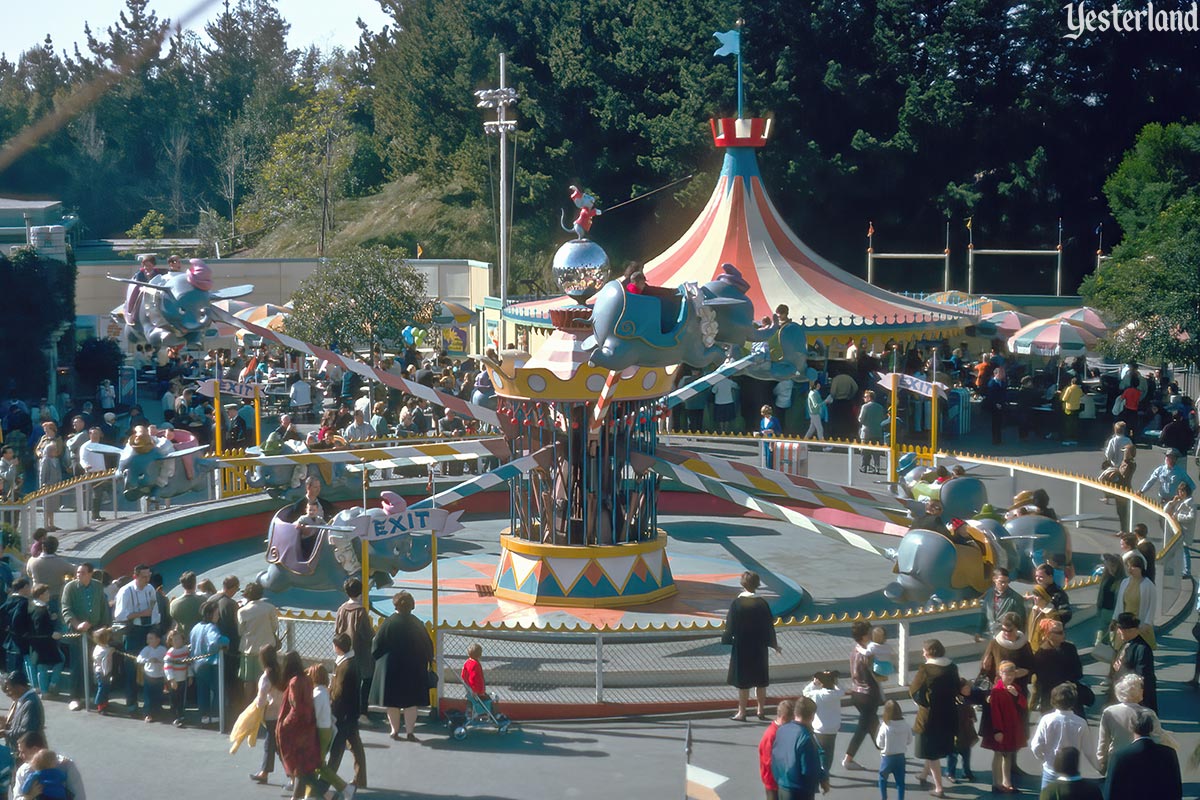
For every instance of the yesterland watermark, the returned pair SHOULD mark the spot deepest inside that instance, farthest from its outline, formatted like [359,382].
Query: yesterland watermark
[1081,19]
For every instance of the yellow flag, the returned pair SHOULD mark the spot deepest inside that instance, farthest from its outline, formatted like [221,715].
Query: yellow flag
[421,250]
[969,222]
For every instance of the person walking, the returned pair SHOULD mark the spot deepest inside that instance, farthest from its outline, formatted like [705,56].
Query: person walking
[935,690]
[818,412]
[865,694]
[750,629]
[870,431]
[1060,728]
[794,758]
[1116,721]
[995,400]
[1135,658]
[784,713]
[892,741]
[296,729]
[402,639]
[354,620]
[1144,768]
[1067,783]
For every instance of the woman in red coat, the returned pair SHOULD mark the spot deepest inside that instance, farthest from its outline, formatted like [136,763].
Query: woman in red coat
[1003,731]
[296,729]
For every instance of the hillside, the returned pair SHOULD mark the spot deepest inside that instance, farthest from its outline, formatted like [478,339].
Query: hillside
[448,224]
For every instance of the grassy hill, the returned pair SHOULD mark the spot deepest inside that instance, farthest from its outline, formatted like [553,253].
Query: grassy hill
[447,221]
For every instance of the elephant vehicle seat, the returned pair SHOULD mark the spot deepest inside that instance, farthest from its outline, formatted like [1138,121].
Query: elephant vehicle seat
[290,549]
[654,303]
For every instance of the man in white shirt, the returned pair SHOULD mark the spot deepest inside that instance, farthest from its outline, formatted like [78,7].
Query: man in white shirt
[359,430]
[92,461]
[1061,728]
[300,395]
[136,612]
[724,406]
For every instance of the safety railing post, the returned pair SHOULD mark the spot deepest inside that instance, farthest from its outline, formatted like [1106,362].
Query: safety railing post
[289,635]
[599,668]
[1078,501]
[849,466]
[116,507]
[81,506]
[221,690]
[902,654]
[83,667]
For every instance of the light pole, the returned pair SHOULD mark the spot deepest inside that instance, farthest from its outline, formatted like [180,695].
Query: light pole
[500,99]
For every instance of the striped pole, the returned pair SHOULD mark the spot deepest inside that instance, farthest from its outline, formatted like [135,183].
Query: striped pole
[716,488]
[489,480]
[459,406]
[604,400]
[706,382]
[385,457]
[873,505]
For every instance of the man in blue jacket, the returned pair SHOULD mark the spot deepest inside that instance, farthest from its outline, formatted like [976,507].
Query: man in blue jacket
[796,759]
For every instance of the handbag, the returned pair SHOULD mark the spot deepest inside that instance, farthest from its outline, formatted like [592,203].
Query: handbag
[431,679]
[1086,695]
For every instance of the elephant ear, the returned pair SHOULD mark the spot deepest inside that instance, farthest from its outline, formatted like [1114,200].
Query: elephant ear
[107,449]
[590,343]
[724,301]
[187,451]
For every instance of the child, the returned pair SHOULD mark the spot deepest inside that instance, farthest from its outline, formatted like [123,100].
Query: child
[1004,727]
[308,535]
[825,692]
[45,779]
[884,664]
[206,644]
[768,428]
[472,672]
[892,741]
[45,660]
[175,669]
[102,664]
[324,713]
[965,737]
[152,661]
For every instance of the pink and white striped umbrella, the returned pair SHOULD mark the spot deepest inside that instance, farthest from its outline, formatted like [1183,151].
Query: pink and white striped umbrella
[1086,316]
[1008,322]
[1052,337]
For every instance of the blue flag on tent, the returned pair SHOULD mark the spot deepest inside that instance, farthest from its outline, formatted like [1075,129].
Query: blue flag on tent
[731,43]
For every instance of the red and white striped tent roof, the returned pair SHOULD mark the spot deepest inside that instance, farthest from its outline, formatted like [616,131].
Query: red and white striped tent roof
[741,226]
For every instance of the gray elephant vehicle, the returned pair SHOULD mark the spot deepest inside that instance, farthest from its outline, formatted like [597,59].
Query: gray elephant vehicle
[171,310]
[286,481]
[691,325]
[309,553]
[161,466]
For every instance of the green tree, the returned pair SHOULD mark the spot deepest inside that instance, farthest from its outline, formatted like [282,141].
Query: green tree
[1150,286]
[309,165]
[359,298]
[147,231]
[26,327]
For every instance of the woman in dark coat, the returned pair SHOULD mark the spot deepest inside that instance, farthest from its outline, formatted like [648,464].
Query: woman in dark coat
[296,729]
[402,638]
[1056,661]
[750,628]
[935,689]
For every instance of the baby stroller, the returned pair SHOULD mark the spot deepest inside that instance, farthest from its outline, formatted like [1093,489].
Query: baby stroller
[480,713]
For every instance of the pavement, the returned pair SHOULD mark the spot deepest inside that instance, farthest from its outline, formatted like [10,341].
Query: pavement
[633,757]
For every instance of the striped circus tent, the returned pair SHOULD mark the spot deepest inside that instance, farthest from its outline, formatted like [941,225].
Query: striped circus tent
[1086,316]
[1052,337]
[740,225]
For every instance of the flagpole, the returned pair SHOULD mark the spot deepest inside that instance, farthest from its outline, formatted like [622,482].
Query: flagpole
[740,22]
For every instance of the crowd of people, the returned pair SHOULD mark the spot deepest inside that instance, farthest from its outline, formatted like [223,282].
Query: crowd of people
[73,633]
[1029,694]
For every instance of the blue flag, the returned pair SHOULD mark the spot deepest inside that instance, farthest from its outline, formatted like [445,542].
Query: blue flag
[731,43]
[1099,228]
